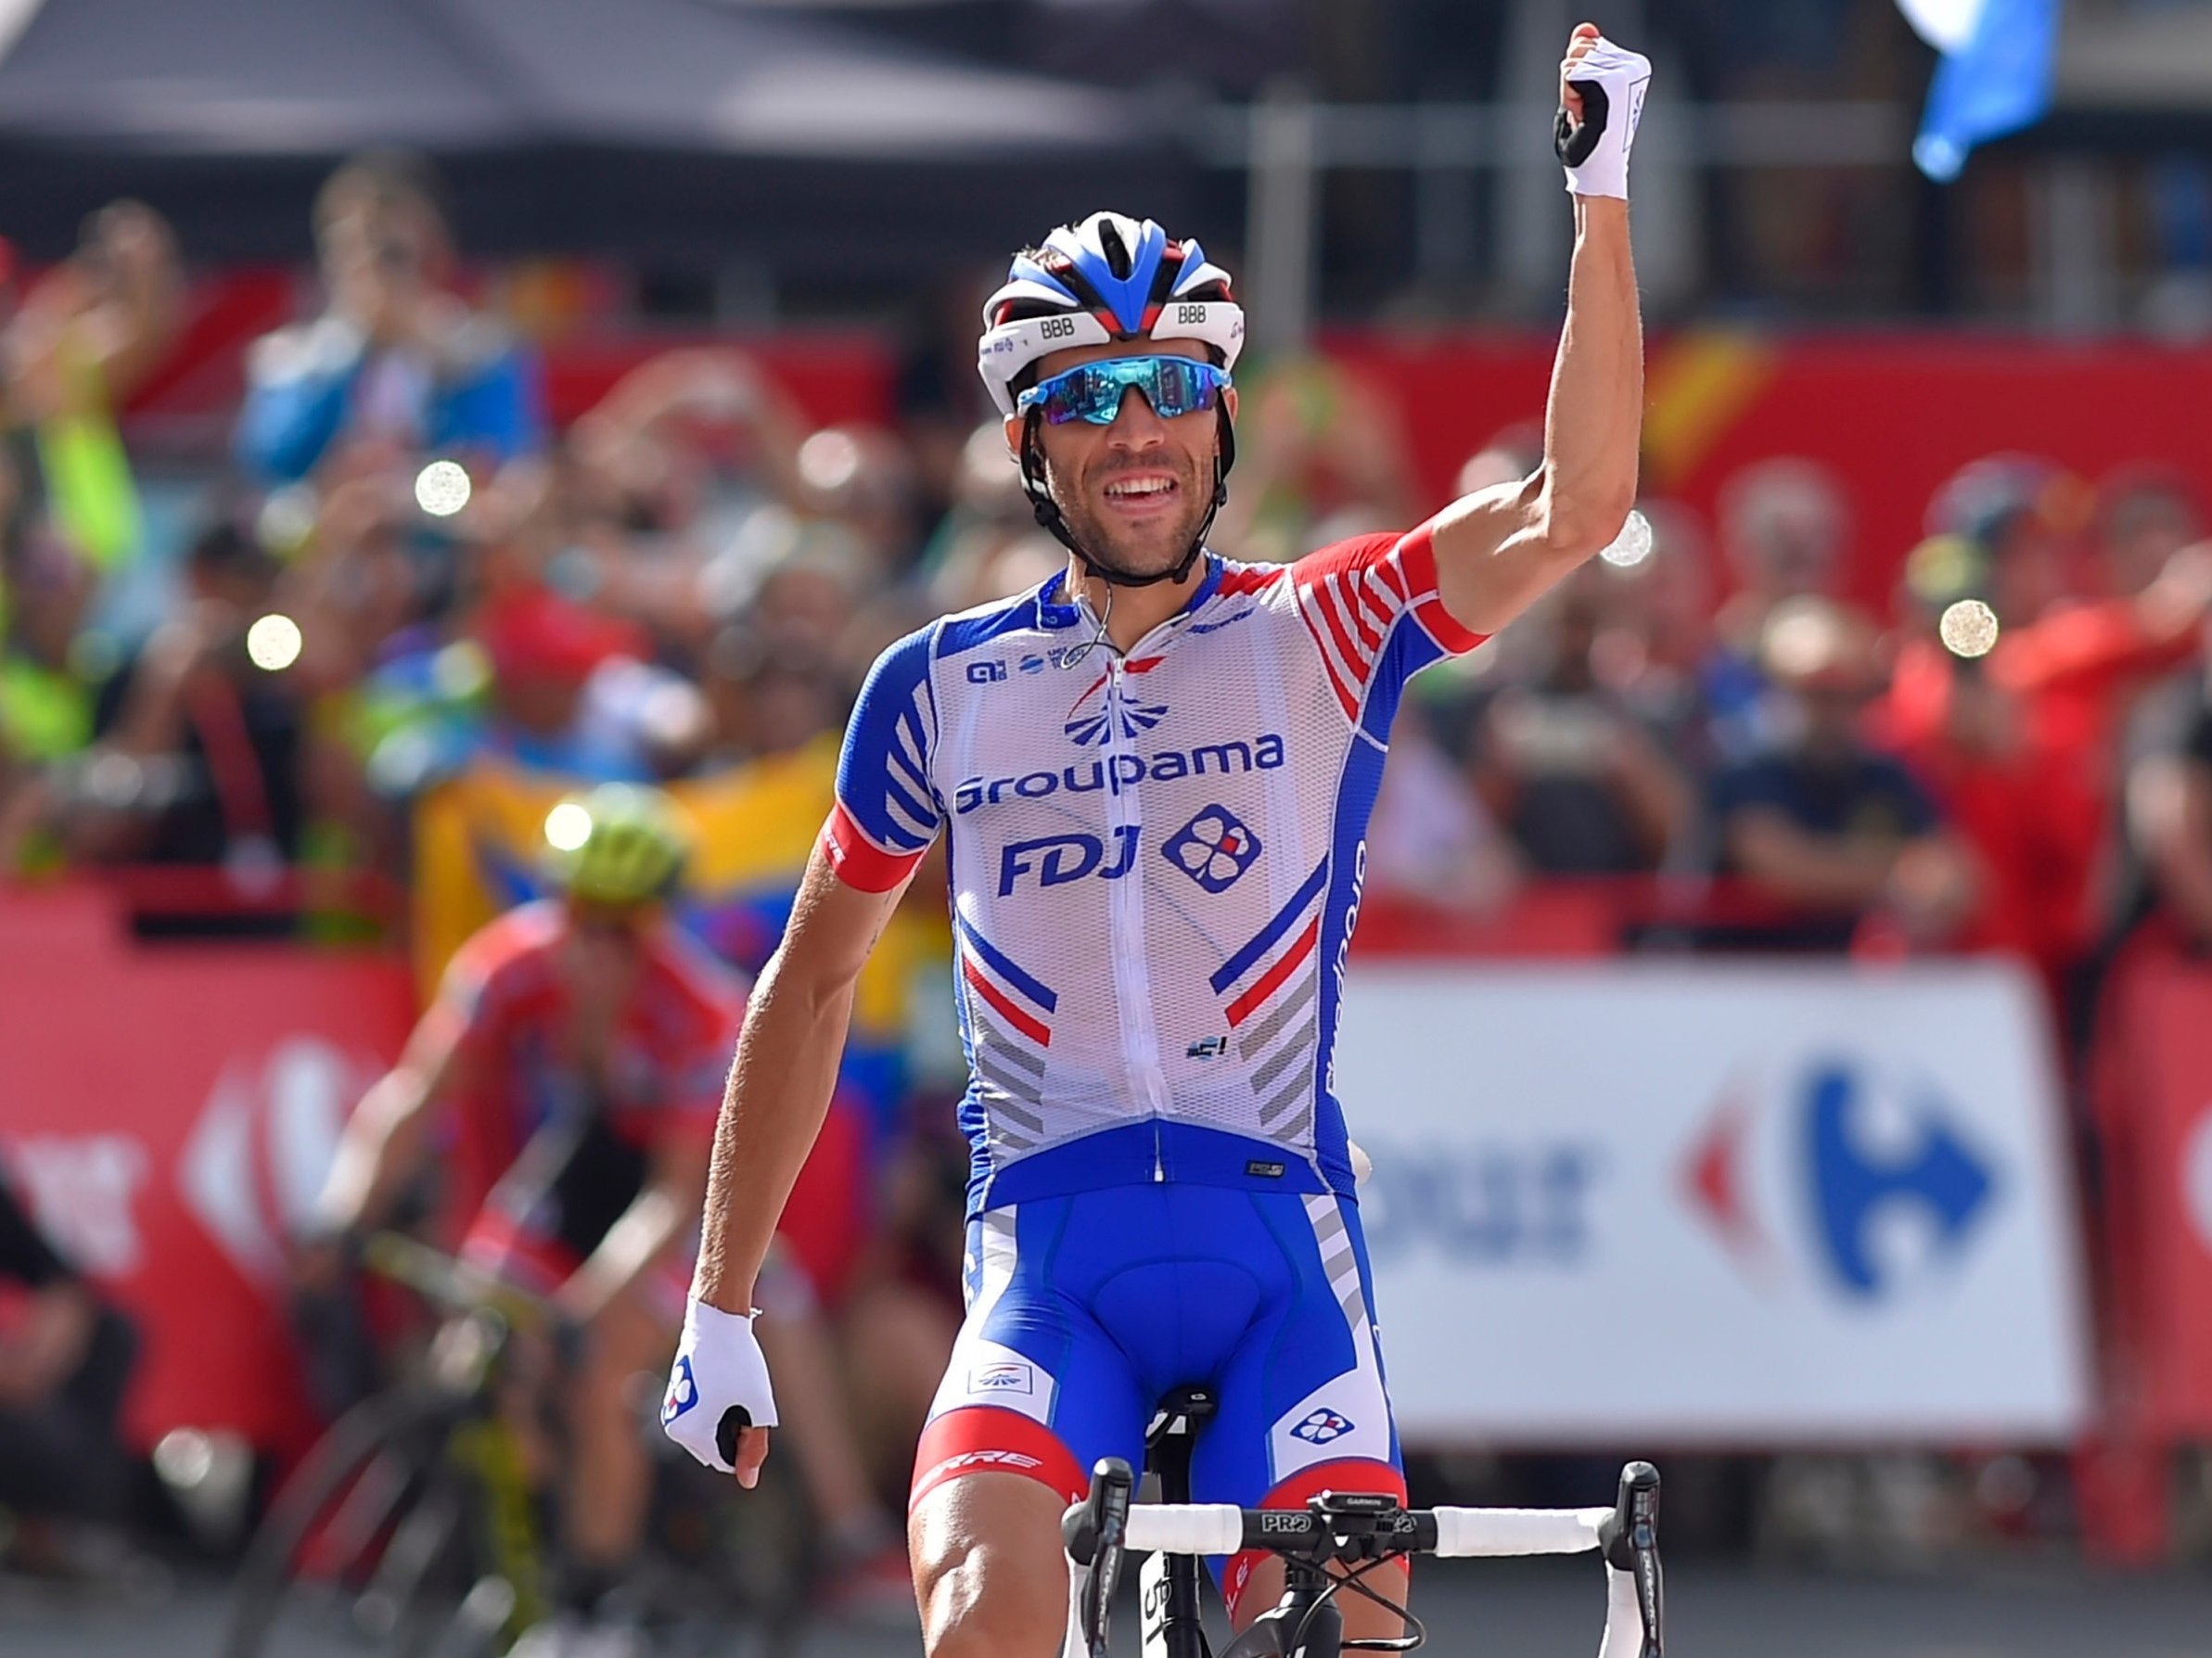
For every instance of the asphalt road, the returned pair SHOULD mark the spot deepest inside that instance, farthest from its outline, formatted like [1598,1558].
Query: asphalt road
[1551,1610]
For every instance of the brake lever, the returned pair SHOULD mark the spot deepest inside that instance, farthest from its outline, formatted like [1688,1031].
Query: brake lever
[1091,1533]
[1629,1538]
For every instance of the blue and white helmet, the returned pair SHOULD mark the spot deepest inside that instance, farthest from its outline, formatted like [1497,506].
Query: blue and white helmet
[1111,277]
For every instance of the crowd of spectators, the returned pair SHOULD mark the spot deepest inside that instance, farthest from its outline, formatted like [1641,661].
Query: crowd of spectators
[408,573]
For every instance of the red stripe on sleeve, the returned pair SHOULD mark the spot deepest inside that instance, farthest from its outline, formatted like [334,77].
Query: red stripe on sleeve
[1346,697]
[858,861]
[1417,552]
[1326,606]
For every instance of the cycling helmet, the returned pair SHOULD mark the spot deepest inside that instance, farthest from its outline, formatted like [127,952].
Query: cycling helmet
[619,844]
[1109,278]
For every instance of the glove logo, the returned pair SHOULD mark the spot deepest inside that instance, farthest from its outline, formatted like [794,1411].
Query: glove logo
[683,1391]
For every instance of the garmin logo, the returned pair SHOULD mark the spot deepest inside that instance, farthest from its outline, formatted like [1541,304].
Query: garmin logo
[1115,773]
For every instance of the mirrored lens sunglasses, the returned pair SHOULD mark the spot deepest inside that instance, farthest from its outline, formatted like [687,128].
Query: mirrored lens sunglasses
[1093,391]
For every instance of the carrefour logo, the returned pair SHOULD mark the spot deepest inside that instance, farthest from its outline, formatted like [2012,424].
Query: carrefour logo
[1887,1186]
[1213,848]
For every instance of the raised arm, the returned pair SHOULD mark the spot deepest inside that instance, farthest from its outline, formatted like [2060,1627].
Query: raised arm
[1498,550]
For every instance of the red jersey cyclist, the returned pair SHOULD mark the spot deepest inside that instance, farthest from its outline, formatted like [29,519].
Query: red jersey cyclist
[584,1039]
[1154,772]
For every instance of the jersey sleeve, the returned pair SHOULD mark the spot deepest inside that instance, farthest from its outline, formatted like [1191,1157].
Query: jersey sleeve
[1371,604]
[887,810]
[477,989]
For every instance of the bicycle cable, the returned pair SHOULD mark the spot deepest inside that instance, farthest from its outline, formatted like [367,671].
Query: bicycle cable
[1403,1643]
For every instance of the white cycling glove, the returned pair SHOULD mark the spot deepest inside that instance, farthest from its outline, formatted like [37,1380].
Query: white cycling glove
[719,1369]
[1612,83]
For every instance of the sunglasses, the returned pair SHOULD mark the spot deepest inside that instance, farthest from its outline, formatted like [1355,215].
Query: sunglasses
[1093,391]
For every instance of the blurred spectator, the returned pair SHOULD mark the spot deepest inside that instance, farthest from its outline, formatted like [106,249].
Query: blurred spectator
[197,757]
[2168,806]
[1432,840]
[65,1361]
[1563,762]
[662,479]
[987,546]
[1513,452]
[1657,634]
[575,692]
[862,479]
[1321,455]
[397,365]
[1784,532]
[2022,513]
[2021,742]
[46,706]
[769,695]
[2144,516]
[1835,829]
[83,341]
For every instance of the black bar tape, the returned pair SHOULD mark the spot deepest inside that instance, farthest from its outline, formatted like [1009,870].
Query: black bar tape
[1576,144]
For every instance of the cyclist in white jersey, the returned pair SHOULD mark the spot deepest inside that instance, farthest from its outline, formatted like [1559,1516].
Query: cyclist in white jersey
[1155,773]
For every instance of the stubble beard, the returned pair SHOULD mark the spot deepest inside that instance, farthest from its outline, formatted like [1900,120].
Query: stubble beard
[1150,551]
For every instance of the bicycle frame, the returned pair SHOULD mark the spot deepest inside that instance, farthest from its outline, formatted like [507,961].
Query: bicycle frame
[1169,1583]
[1351,1529]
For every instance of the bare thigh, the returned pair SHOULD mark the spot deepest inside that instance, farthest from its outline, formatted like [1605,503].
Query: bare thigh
[988,1568]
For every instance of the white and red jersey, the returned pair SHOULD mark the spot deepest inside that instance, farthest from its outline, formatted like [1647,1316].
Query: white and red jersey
[1156,858]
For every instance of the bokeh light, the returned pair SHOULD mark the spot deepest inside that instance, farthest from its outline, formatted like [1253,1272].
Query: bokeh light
[567,826]
[1633,545]
[441,489]
[1968,628]
[273,642]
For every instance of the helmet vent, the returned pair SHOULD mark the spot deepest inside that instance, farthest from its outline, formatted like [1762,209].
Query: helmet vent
[1116,251]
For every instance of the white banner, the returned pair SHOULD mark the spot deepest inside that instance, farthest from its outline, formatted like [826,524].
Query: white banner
[1715,1202]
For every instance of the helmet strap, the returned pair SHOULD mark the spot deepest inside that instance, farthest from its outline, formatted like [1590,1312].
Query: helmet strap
[1036,487]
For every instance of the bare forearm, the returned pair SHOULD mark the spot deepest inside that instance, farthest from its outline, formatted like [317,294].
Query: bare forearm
[382,1148]
[632,1243]
[1831,872]
[779,1093]
[1498,551]
[1593,421]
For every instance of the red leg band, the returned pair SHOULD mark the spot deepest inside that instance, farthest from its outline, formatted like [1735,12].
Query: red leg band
[986,1439]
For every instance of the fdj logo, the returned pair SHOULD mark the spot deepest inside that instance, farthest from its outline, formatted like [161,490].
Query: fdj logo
[1213,848]
[682,1391]
[1058,859]
[986,674]
[1321,1427]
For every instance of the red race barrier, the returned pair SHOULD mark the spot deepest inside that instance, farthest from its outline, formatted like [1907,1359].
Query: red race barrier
[170,1109]
[2161,1193]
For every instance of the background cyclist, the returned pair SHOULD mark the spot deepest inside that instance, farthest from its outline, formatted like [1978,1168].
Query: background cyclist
[583,1039]
[1154,772]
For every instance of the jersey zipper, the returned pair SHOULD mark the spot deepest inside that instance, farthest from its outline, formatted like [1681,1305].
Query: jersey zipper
[1133,967]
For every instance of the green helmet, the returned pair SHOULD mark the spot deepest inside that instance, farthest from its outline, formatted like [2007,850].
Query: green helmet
[619,844]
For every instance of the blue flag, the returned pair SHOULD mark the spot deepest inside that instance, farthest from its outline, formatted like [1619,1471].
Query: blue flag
[1997,82]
